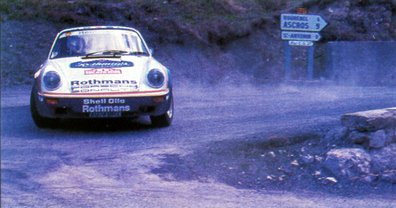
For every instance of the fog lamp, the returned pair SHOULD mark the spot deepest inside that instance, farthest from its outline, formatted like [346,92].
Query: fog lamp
[158,99]
[51,101]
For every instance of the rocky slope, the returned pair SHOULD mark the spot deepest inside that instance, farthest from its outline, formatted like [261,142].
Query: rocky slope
[211,40]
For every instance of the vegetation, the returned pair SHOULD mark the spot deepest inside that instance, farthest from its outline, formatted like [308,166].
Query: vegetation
[211,21]
[206,20]
[196,10]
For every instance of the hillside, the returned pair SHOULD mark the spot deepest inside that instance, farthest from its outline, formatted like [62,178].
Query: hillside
[196,39]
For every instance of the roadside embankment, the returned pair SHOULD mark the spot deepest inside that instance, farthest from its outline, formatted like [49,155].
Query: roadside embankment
[371,155]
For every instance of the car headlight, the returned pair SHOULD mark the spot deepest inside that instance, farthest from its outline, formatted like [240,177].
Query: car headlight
[155,78]
[51,80]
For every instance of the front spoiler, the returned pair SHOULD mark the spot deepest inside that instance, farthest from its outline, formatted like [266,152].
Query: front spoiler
[84,105]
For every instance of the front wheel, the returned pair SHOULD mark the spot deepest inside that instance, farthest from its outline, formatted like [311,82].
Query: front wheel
[165,119]
[40,121]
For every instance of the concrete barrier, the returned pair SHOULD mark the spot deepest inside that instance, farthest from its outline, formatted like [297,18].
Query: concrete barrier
[361,63]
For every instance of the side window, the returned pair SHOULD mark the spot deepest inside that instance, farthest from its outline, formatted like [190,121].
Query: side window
[55,50]
[59,49]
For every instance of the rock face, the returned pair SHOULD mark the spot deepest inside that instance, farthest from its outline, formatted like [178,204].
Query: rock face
[373,134]
[352,163]
[379,139]
[370,120]
[384,159]
[389,176]
[373,129]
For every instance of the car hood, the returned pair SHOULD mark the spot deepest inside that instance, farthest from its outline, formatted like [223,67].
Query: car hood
[102,74]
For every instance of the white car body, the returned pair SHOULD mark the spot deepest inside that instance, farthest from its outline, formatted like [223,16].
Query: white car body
[80,80]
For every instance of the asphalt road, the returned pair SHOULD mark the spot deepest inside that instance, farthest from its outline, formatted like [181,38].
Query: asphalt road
[110,164]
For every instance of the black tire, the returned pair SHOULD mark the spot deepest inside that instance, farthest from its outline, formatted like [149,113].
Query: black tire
[40,121]
[165,119]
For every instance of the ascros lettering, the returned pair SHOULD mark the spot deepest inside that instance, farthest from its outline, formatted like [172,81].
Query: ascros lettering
[296,25]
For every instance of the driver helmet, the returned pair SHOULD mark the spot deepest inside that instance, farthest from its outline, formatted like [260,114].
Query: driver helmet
[75,45]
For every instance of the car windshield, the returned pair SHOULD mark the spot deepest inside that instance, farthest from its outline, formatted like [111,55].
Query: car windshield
[97,43]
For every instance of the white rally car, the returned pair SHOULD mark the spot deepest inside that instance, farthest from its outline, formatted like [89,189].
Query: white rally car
[101,72]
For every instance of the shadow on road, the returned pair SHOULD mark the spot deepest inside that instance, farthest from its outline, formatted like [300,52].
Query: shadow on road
[16,121]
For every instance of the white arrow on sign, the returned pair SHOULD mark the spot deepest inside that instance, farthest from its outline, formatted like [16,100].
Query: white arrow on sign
[301,22]
[300,43]
[307,36]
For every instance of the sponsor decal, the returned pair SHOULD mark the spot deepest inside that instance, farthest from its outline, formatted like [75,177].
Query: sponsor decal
[102,71]
[96,85]
[105,108]
[103,101]
[96,81]
[101,64]
[104,105]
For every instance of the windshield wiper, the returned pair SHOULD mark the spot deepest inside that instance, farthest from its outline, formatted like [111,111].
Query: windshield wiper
[136,53]
[114,53]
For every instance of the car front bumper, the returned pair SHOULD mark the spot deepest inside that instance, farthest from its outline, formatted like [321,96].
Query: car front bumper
[103,105]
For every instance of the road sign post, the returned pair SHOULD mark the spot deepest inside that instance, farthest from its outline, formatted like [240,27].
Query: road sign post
[298,22]
[301,30]
[287,59]
[304,36]
[300,43]
[311,62]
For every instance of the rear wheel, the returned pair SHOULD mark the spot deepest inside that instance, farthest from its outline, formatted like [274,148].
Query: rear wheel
[40,121]
[165,119]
